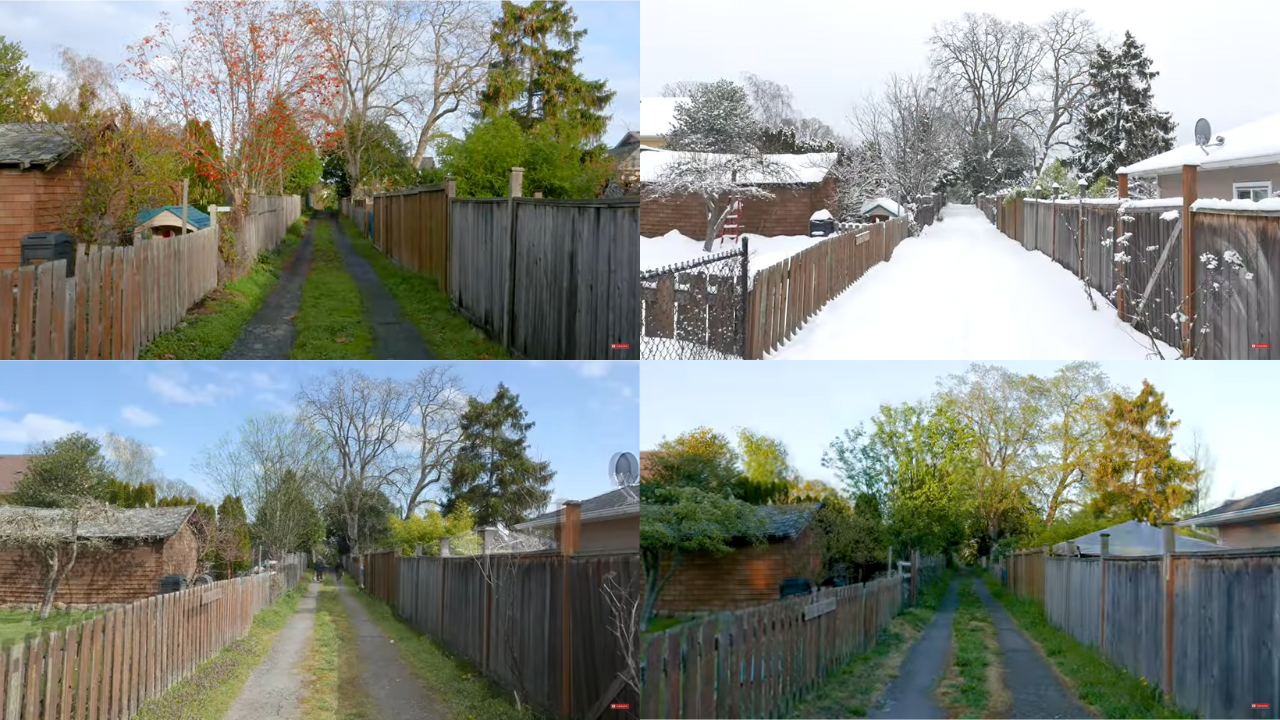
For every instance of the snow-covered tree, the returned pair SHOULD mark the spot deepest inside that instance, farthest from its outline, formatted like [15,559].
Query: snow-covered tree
[859,175]
[1060,82]
[1120,124]
[909,132]
[717,119]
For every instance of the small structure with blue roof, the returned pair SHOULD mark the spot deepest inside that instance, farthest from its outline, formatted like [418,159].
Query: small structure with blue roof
[167,221]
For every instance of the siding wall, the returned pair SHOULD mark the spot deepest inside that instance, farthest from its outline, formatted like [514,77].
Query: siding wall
[748,577]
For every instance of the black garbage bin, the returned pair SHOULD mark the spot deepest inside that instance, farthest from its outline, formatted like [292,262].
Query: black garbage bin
[41,247]
[794,586]
[172,584]
[822,227]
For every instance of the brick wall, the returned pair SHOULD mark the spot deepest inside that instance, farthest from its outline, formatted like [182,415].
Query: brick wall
[35,201]
[786,213]
[122,574]
[749,576]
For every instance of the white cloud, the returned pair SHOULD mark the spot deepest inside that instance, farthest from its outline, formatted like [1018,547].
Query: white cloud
[593,368]
[35,428]
[6,406]
[176,388]
[137,416]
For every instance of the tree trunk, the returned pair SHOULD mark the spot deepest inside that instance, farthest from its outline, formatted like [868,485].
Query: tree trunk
[50,584]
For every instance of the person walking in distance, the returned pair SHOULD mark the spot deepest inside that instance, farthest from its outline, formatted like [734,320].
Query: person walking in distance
[319,570]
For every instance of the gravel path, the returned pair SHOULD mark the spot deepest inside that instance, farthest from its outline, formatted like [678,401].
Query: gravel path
[910,695]
[398,694]
[269,333]
[1034,687]
[274,690]
[394,336]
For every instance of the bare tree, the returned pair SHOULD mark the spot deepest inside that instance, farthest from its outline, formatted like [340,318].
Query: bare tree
[434,433]
[682,88]
[771,101]
[624,624]
[1206,469]
[56,537]
[907,131]
[131,461]
[250,463]
[1061,80]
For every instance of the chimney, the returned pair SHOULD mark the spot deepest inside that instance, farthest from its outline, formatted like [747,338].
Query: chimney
[570,527]
[444,547]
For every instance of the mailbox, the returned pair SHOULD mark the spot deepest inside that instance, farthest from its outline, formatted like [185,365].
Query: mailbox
[42,247]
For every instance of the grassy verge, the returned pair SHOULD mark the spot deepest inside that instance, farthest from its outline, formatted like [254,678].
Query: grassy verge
[449,335]
[330,323]
[852,691]
[1110,690]
[333,688]
[468,694]
[17,624]
[211,689]
[972,687]
[214,323]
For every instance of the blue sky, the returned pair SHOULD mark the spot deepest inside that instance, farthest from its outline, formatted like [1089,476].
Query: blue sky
[807,404]
[584,411]
[611,49]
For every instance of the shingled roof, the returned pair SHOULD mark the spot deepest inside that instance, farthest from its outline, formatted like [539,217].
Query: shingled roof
[34,144]
[115,523]
[622,501]
[1260,504]
[787,521]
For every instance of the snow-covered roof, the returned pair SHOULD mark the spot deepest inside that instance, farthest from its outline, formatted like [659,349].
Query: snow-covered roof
[807,168]
[1257,143]
[894,208]
[658,114]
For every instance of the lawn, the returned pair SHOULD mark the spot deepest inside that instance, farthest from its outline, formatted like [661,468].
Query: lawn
[330,323]
[333,688]
[449,335]
[972,686]
[213,324]
[1110,690]
[17,624]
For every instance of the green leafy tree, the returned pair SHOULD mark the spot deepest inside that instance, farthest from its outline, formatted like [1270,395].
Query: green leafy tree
[231,548]
[482,159]
[287,520]
[492,472]
[64,473]
[700,458]
[376,511]
[849,534]
[428,527]
[19,84]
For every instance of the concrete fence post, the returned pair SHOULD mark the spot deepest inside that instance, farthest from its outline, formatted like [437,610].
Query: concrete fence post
[516,186]
[1102,591]
[444,547]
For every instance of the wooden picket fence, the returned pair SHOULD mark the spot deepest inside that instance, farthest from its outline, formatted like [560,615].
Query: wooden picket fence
[107,667]
[759,662]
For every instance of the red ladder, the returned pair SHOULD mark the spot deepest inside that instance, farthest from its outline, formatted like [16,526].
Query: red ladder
[733,223]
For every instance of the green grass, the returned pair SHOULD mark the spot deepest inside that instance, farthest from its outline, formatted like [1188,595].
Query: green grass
[852,691]
[449,335]
[972,686]
[210,690]
[468,694]
[17,624]
[333,688]
[330,323]
[213,324]
[1110,690]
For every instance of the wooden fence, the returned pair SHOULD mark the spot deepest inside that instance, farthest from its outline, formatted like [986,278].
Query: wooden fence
[268,220]
[759,662]
[107,667]
[412,228]
[541,624]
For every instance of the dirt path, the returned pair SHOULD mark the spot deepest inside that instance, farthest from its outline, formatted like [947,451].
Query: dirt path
[394,336]
[1034,687]
[274,690]
[911,694]
[393,687]
[269,333]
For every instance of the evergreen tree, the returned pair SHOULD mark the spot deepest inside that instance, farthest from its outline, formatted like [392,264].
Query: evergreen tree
[19,92]
[534,78]
[716,119]
[1120,124]
[232,550]
[287,520]
[493,473]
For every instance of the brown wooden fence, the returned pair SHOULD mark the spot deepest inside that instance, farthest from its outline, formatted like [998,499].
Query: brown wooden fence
[759,662]
[540,624]
[264,227]
[107,667]
[412,228]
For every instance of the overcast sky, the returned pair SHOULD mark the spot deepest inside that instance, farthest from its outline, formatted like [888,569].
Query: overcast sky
[1213,58]
[611,49]
[807,404]
[584,412]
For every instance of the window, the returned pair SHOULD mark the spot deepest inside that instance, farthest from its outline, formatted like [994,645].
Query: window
[1254,191]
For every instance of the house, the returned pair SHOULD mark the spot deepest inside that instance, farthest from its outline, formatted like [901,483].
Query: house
[1131,539]
[881,209]
[609,523]
[751,575]
[143,546]
[167,221]
[1244,166]
[11,469]
[40,180]
[1251,522]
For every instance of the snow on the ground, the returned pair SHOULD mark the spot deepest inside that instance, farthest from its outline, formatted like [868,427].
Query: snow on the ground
[676,248]
[962,290]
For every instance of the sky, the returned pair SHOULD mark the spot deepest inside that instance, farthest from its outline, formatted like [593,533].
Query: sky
[1212,59]
[611,49]
[807,404]
[584,411]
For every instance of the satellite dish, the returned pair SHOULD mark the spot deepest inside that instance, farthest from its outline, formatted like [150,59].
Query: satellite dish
[624,469]
[1203,133]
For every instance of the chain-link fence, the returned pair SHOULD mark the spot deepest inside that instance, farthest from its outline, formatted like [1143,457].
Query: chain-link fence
[696,310]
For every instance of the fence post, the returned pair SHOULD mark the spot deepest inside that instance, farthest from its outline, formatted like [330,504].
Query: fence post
[516,182]
[417,550]
[1082,184]
[744,327]
[1188,257]
[569,527]
[915,558]
[1102,590]
[1168,611]
[1122,182]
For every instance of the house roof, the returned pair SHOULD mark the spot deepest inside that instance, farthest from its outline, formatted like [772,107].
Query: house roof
[1255,143]
[889,206]
[787,521]
[1132,538]
[802,169]
[34,144]
[615,503]
[11,469]
[132,523]
[1255,507]
[195,218]
[631,138]
[658,115]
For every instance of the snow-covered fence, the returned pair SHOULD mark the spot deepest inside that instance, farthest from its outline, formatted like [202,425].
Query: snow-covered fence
[696,310]
[785,295]
[927,208]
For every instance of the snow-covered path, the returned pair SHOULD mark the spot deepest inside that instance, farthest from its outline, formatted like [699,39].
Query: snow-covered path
[962,290]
